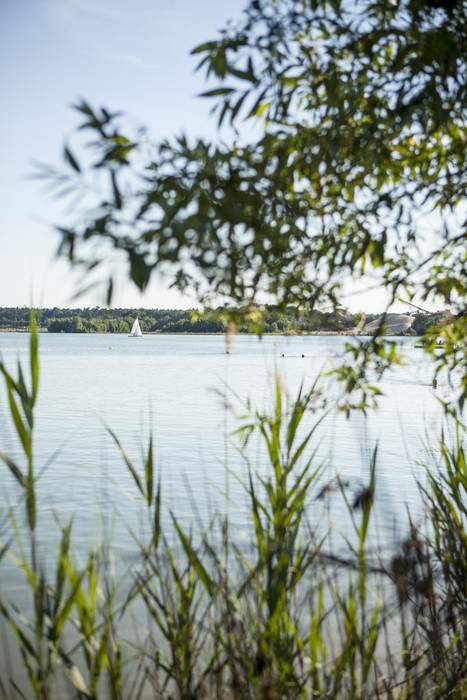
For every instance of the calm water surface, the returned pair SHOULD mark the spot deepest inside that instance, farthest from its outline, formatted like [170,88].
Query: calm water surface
[175,388]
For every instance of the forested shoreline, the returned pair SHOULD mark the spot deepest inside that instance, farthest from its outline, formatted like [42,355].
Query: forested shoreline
[103,320]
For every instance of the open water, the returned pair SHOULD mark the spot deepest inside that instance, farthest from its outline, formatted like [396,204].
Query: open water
[176,388]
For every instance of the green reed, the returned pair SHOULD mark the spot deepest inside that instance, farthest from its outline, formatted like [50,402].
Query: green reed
[282,616]
[67,600]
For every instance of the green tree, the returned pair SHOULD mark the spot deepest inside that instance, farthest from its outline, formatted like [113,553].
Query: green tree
[360,115]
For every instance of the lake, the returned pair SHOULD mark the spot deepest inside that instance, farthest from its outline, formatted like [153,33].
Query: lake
[176,388]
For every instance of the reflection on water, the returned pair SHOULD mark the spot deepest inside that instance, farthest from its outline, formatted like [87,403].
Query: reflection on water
[178,389]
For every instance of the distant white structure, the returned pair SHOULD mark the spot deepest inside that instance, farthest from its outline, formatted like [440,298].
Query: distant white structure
[136,331]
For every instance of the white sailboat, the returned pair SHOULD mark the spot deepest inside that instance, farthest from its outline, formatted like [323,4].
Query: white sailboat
[136,331]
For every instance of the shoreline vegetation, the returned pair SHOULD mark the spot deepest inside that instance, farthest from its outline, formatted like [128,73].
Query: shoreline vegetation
[288,616]
[191,322]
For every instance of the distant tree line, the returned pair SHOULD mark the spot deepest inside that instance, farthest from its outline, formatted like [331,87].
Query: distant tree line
[102,320]
[424,323]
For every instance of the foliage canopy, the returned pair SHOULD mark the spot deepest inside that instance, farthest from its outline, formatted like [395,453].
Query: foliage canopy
[356,169]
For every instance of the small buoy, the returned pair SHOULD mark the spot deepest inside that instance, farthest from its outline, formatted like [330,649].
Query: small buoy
[110,347]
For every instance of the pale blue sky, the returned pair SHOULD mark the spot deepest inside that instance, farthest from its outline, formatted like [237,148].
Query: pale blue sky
[130,56]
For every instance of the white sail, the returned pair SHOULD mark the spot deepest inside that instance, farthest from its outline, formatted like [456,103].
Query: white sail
[136,329]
